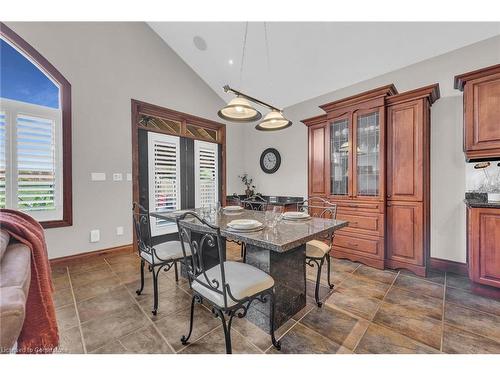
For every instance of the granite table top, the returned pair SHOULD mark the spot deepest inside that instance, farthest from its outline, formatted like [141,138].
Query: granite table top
[285,236]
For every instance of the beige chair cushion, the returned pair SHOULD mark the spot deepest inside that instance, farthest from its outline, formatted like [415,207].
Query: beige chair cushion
[316,249]
[167,251]
[12,312]
[243,279]
[4,242]
[15,269]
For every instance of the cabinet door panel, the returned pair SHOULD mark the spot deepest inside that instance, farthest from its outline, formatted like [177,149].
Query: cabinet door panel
[405,151]
[405,232]
[485,240]
[482,116]
[368,163]
[340,156]
[317,162]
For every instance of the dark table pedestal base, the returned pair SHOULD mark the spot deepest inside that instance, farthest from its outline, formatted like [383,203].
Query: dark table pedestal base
[288,272]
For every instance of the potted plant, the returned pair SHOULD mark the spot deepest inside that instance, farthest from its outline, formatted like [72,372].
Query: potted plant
[247,181]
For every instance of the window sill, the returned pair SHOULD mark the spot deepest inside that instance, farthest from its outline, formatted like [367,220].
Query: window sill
[56,223]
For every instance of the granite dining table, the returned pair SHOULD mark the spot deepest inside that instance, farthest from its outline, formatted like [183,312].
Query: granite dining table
[278,251]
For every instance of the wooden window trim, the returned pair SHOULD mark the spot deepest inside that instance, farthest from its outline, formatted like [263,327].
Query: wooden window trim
[65,92]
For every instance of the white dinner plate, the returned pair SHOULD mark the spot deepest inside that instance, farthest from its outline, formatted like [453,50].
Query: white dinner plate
[292,215]
[244,224]
[233,208]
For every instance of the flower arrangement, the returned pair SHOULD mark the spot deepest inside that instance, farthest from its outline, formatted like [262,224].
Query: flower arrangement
[247,181]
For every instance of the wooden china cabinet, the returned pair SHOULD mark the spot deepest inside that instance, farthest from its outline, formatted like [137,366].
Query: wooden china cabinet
[369,154]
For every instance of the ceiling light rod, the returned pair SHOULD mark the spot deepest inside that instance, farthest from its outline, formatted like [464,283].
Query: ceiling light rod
[239,93]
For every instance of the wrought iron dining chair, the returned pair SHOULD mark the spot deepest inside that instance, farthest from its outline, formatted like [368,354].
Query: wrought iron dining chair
[255,203]
[317,251]
[229,287]
[164,255]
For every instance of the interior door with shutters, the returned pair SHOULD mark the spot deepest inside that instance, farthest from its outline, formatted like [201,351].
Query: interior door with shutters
[164,179]
[206,173]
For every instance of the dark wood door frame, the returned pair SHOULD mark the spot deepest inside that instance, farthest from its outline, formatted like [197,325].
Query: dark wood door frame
[140,108]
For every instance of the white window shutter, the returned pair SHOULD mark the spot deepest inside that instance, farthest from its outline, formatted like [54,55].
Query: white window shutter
[36,163]
[206,173]
[31,159]
[164,179]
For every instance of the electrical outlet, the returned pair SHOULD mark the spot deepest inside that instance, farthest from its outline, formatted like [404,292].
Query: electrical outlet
[95,235]
[117,177]
[98,176]
[119,231]
[129,176]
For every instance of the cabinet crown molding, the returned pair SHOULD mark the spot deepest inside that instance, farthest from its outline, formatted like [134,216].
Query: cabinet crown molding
[314,120]
[383,91]
[431,92]
[461,79]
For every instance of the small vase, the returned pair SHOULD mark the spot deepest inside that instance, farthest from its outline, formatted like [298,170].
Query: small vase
[248,192]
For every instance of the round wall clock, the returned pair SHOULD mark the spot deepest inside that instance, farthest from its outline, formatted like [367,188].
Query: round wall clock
[270,160]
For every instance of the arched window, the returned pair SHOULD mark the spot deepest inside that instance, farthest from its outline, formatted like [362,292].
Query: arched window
[35,133]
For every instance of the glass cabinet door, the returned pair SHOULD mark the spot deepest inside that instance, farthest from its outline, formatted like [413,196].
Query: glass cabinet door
[367,154]
[339,158]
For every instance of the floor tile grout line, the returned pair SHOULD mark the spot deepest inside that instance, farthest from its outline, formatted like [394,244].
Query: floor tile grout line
[472,309]
[141,309]
[378,308]
[250,342]
[442,316]
[461,328]
[198,339]
[76,311]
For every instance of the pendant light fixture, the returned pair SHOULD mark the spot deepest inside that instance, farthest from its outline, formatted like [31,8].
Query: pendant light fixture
[240,109]
[274,120]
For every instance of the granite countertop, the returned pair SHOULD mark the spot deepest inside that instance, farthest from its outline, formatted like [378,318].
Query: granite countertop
[275,200]
[285,236]
[479,200]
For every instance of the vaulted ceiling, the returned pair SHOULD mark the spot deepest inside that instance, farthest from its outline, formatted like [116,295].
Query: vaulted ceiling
[307,59]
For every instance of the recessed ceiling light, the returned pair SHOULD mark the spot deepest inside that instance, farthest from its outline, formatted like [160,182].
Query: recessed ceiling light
[200,43]
[231,62]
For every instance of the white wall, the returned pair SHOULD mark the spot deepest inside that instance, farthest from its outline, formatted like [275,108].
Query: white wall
[448,168]
[107,64]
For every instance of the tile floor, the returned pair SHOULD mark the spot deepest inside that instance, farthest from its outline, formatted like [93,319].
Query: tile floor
[368,311]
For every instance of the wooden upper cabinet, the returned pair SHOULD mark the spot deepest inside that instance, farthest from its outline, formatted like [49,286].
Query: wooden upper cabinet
[484,245]
[481,113]
[317,169]
[405,151]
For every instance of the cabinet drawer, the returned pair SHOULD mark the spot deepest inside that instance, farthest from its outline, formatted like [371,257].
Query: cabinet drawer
[371,247]
[371,224]
[353,205]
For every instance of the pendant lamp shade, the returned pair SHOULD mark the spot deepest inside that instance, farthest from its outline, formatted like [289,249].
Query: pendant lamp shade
[274,120]
[239,110]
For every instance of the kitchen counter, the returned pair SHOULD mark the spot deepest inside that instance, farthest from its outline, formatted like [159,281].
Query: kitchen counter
[479,200]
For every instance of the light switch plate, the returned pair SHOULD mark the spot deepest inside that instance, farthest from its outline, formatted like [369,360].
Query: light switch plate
[129,176]
[98,176]
[119,231]
[95,235]
[117,177]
